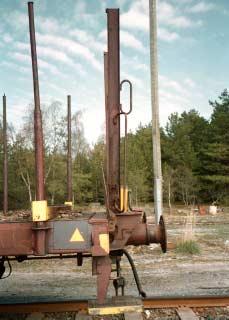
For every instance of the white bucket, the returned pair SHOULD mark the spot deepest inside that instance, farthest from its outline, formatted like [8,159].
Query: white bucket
[213,210]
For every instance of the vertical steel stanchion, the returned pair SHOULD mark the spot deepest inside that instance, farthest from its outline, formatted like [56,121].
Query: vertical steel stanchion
[39,227]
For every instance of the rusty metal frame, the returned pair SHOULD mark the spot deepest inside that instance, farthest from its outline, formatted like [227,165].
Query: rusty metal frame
[106,236]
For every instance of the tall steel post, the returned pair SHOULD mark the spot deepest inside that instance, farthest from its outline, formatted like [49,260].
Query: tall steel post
[69,156]
[106,108]
[113,109]
[5,160]
[38,132]
[155,111]
[39,227]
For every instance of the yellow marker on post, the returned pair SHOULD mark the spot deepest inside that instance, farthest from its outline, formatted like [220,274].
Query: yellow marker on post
[124,199]
[40,210]
[68,203]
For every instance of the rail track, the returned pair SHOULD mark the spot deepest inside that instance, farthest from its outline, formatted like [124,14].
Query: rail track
[148,303]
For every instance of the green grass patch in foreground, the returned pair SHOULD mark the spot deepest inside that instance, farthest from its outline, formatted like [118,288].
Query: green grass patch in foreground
[188,247]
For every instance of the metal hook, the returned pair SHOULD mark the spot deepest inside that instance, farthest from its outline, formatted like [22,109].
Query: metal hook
[130,85]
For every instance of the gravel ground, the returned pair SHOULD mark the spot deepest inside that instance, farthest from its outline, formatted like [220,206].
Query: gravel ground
[161,274]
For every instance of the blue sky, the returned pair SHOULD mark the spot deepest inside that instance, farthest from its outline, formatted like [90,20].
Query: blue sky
[71,37]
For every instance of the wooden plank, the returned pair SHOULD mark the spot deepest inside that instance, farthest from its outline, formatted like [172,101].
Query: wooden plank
[116,305]
[186,314]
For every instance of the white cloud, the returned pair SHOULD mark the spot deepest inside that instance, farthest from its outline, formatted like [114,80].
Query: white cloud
[126,39]
[14,66]
[72,47]
[135,19]
[172,85]
[47,52]
[22,46]
[201,7]
[59,56]
[7,38]
[174,96]
[129,40]
[138,16]
[166,35]
[80,7]
[168,15]
[103,34]
[49,25]
[21,57]
[136,82]
[190,82]
[16,19]
[56,87]
[87,39]
[48,66]
[140,66]
[41,63]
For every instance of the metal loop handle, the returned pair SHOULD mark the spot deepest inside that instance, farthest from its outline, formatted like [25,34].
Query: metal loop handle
[130,86]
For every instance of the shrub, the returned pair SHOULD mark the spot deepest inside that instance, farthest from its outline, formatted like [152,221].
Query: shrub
[188,247]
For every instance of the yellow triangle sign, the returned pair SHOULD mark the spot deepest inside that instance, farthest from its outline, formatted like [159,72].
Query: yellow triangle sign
[77,237]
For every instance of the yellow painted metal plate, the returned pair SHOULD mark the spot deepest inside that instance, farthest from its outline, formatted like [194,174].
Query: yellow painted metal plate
[124,199]
[68,203]
[77,236]
[39,210]
[104,242]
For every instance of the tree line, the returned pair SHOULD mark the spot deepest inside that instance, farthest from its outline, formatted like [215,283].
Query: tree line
[195,159]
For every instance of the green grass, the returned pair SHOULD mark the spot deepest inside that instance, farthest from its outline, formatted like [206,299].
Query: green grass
[188,247]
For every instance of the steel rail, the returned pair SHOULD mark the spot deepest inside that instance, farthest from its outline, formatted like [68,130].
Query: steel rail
[191,302]
[148,303]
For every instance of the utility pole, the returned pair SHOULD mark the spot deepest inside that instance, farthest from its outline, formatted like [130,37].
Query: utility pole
[155,110]
[5,160]
[69,156]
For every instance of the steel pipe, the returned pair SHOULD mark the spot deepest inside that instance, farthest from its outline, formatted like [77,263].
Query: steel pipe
[39,227]
[38,132]
[144,234]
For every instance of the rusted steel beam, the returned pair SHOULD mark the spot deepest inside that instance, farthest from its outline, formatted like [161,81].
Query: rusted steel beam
[5,160]
[69,156]
[16,238]
[38,132]
[113,108]
[106,111]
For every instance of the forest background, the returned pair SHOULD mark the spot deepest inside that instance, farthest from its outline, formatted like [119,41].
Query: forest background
[195,159]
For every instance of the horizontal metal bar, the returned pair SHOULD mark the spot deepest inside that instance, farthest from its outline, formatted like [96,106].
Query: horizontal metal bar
[51,257]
